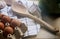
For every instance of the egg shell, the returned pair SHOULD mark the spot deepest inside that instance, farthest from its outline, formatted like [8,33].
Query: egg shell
[6,19]
[8,30]
[1,15]
[15,23]
[1,25]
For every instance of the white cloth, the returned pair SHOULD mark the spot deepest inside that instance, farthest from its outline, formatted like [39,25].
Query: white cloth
[26,3]
[2,4]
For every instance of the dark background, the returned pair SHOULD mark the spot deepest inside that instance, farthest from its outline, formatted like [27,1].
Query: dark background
[50,8]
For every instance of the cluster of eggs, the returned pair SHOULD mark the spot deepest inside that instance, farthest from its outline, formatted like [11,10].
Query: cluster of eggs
[7,24]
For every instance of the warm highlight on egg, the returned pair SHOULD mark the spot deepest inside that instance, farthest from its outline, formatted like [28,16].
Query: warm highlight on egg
[6,19]
[8,30]
[1,25]
[15,23]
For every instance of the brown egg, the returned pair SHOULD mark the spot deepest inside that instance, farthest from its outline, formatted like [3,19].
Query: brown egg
[15,23]
[6,19]
[8,30]
[1,25]
[1,15]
